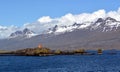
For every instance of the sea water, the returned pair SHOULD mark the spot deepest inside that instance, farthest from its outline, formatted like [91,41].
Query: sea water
[60,63]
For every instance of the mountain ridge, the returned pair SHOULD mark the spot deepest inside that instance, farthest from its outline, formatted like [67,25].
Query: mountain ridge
[103,33]
[107,24]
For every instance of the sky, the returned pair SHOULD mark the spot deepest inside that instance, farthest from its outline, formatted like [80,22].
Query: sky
[19,12]
[39,15]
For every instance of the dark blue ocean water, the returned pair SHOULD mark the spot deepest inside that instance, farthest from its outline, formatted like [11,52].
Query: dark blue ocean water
[62,63]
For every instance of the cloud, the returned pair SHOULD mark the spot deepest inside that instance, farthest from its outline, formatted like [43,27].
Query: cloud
[45,22]
[6,31]
[45,19]
[114,14]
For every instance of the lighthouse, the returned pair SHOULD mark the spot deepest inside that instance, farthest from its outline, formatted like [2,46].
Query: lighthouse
[40,46]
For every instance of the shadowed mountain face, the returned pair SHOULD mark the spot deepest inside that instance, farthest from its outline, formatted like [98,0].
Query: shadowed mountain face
[103,33]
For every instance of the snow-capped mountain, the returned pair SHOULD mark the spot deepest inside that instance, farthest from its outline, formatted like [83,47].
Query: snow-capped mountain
[25,33]
[62,29]
[101,33]
[101,25]
[104,25]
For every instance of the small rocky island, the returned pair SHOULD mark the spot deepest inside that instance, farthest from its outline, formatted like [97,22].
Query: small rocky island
[43,51]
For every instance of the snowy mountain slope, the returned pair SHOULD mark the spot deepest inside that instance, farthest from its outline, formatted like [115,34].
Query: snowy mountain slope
[107,24]
[62,29]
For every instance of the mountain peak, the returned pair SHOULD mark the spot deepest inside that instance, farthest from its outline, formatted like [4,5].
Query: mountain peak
[25,33]
[99,20]
[76,24]
[16,33]
[26,29]
[111,19]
